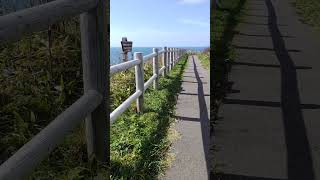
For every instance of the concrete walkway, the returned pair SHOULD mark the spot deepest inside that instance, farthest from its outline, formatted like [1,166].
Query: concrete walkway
[192,114]
[270,126]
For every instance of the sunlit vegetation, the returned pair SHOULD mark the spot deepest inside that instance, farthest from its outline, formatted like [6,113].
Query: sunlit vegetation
[140,142]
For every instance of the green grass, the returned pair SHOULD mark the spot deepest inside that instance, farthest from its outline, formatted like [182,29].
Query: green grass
[310,11]
[204,58]
[224,21]
[35,88]
[140,143]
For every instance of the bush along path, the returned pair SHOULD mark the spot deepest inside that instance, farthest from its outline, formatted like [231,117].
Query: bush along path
[269,126]
[192,124]
[204,58]
[140,143]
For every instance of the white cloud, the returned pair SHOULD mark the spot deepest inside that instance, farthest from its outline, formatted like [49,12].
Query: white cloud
[195,22]
[192,1]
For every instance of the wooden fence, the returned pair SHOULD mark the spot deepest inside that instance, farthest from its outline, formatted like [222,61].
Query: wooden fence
[93,104]
[170,56]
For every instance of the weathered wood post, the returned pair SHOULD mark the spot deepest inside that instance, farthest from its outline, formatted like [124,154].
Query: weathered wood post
[171,58]
[178,54]
[168,60]
[155,68]
[139,80]
[174,56]
[164,61]
[95,54]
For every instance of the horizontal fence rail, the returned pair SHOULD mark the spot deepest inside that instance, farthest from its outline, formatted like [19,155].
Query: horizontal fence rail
[44,142]
[123,66]
[168,56]
[91,106]
[14,25]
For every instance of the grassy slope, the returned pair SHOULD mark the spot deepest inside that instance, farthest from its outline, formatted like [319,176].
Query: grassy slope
[35,88]
[224,20]
[139,143]
[205,59]
[35,92]
[310,11]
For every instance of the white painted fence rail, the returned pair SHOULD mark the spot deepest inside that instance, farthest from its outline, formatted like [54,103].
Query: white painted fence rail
[91,106]
[169,57]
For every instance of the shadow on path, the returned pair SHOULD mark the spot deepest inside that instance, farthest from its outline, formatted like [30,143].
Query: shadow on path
[264,49]
[259,24]
[239,177]
[266,103]
[299,158]
[203,118]
[267,65]
[299,161]
[258,35]
[255,15]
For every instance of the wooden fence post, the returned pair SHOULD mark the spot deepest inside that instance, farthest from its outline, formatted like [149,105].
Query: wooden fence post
[95,54]
[171,58]
[178,51]
[168,59]
[177,54]
[139,80]
[174,57]
[155,68]
[164,61]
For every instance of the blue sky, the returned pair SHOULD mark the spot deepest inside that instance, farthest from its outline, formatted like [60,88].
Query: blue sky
[160,22]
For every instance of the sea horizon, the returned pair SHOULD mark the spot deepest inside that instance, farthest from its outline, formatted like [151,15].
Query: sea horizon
[115,52]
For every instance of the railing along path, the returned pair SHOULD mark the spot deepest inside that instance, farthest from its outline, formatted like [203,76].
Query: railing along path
[93,104]
[170,56]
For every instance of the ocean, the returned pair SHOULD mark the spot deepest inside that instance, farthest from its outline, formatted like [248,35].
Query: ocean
[115,52]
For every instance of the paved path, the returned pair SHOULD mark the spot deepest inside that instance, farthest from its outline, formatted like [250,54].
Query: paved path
[193,125]
[270,126]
